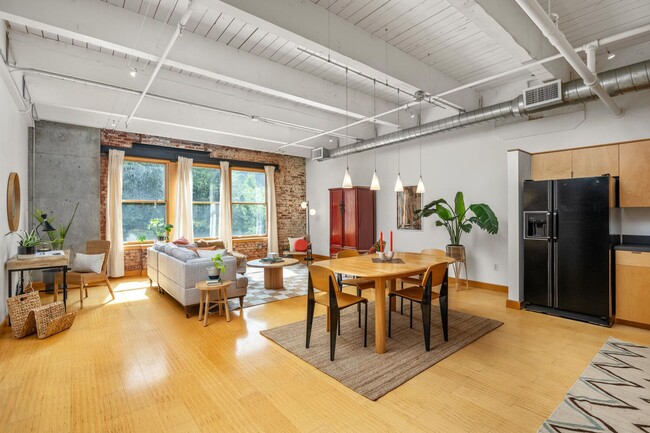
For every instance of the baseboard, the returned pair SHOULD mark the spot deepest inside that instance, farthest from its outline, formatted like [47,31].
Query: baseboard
[135,273]
[515,305]
[480,285]
[633,324]
[5,322]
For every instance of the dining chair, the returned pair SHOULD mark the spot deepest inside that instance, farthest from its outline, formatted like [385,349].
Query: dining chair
[329,295]
[423,294]
[415,280]
[84,279]
[360,283]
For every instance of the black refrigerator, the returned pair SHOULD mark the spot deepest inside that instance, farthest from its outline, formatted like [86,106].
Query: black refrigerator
[567,248]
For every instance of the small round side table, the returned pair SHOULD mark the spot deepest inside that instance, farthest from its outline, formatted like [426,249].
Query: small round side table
[222,299]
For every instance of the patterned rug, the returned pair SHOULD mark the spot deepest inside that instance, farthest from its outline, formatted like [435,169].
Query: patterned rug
[611,395]
[367,372]
[295,284]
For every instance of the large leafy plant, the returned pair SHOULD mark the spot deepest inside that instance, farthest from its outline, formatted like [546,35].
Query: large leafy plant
[460,219]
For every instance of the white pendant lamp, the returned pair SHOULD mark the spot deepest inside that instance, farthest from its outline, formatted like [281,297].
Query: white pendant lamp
[374,185]
[399,186]
[347,180]
[420,189]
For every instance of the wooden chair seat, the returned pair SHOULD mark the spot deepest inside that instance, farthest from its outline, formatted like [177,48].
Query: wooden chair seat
[416,293]
[360,283]
[344,300]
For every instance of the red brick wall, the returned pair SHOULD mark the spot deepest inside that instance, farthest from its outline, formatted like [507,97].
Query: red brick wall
[290,187]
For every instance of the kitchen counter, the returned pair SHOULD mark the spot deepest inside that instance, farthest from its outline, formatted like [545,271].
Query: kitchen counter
[634,243]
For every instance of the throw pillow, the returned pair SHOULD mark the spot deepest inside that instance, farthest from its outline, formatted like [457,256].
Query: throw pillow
[183,254]
[159,246]
[208,254]
[88,263]
[292,243]
[301,245]
[181,241]
[169,248]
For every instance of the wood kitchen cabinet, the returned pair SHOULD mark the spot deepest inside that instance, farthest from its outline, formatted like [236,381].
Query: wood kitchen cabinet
[352,218]
[633,288]
[595,161]
[551,165]
[635,174]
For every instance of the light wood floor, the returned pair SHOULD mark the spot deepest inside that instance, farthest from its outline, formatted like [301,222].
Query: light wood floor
[137,365]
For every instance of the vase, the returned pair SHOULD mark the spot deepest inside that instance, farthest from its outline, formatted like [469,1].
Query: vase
[214,273]
[26,250]
[457,252]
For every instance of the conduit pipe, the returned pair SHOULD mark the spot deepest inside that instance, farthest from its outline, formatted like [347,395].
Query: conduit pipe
[627,79]
[559,41]
[177,32]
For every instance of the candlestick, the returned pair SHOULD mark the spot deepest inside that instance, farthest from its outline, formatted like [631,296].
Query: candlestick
[381,242]
[391,240]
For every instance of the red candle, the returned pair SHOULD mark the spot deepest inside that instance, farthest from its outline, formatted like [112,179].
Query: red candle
[381,242]
[391,240]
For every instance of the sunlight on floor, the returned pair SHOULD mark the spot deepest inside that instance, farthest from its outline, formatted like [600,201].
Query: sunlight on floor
[129,291]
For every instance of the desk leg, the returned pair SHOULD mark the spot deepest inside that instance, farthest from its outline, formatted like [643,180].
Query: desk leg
[9,289]
[380,315]
[65,287]
[21,287]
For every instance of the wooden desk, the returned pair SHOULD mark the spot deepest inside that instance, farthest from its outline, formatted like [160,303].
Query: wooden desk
[362,266]
[38,263]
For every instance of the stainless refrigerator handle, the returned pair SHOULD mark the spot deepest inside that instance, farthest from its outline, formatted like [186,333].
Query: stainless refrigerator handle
[555,225]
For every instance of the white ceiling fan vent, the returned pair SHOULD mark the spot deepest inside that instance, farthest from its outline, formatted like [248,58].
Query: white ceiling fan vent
[544,95]
[319,154]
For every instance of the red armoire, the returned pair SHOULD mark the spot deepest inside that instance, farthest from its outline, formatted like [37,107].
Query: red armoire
[352,218]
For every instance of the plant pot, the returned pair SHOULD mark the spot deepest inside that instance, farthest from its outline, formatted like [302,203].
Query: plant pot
[26,250]
[456,252]
[162,238]
[214,273]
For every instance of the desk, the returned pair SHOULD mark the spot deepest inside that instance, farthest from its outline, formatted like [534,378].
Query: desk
[362,266]
[35,264]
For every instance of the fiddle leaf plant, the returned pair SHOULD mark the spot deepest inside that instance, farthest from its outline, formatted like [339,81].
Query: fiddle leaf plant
[217,261]
[460,218]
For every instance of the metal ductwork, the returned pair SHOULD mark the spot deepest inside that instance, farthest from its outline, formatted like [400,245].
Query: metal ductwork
[627,79]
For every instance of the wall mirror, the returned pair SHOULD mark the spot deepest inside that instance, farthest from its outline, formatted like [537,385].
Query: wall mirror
[13,201]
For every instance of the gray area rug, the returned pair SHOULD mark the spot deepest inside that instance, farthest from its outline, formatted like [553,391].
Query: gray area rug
[295,284]
[611,395]
[361,368]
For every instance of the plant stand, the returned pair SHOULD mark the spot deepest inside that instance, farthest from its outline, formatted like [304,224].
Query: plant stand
[457,252]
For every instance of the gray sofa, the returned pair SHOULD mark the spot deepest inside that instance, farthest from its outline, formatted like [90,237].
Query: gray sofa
[176,271]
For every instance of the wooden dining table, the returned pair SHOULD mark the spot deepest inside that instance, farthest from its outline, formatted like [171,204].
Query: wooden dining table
[363,266]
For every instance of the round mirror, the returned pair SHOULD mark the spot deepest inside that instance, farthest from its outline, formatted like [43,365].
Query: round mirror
[13,202]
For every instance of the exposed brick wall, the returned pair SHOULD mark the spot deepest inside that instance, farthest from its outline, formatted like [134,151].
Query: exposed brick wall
[290,186]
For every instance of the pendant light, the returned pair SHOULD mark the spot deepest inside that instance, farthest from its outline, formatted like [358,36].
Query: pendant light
[374,185]
[347,180]
[399,186]
[420,189]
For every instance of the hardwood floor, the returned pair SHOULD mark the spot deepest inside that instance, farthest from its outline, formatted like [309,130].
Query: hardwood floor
[136,364]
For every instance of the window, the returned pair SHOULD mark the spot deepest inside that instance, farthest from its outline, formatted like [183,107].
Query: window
[248,203]
[144,197]
[205,201]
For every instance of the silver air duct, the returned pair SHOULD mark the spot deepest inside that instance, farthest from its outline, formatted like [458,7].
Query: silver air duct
[627,79]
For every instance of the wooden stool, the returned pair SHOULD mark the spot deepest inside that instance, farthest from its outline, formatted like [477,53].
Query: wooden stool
[222,299]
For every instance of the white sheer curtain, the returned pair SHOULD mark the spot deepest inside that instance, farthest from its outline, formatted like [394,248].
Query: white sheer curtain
[271,221]
[114,213]
[225,211]
[183,225]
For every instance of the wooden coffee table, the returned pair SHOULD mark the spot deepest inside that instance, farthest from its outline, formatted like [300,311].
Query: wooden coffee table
[273,275]
[221,301]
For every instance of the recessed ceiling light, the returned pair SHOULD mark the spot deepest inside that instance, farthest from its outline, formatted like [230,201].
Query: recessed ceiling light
[610,55]
[133,72]
[331,140]
[255,118]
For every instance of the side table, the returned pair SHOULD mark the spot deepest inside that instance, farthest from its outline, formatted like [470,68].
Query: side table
[222,299]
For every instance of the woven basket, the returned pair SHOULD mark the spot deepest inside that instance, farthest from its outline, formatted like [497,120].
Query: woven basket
[20,313]
[52,319]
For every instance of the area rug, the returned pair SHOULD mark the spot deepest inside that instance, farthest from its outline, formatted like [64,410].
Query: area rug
[295,284]
[361,368]
[611,395]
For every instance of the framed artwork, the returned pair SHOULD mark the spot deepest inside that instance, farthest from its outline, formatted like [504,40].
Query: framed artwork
[408,201]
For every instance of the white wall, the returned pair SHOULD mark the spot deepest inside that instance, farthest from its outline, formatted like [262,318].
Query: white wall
[13,148]
[474,161]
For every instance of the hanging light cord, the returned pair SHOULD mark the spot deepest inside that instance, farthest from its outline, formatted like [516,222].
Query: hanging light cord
[420,138]
[398,128]
[347,157]
[374,106]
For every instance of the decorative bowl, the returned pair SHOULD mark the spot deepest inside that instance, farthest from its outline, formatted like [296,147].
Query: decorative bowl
[386,256]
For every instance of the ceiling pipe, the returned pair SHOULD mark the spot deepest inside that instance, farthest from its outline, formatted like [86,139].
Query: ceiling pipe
[559,41]
[177,32]
[627,79]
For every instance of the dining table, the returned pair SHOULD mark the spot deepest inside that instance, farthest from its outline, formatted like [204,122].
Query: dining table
[369,266]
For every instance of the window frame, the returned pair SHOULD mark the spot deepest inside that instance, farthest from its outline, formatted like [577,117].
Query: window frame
[214,167]
[266,203]
[165,202]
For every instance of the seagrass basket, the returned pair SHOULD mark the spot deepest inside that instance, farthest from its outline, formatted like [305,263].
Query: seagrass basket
[52,319]
[21,313]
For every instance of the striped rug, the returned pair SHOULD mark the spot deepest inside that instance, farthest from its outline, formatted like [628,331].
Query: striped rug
[361,368]
[611,395]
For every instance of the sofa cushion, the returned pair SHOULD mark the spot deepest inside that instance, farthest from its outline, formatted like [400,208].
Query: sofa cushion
[159,246]
[210,243]
[169,248]
[242,282]
[184,254]
[211,253]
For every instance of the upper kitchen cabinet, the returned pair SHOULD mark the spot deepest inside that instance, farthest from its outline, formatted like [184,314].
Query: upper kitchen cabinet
[635,174]
[595,161]
[551,165]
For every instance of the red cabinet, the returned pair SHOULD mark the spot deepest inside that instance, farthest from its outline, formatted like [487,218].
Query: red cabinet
[352,218]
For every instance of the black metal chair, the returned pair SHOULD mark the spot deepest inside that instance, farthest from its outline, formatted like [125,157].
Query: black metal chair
[359,283]
[423,294]
[329,295]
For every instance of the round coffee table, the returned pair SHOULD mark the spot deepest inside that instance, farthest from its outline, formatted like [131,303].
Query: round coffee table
[273,275]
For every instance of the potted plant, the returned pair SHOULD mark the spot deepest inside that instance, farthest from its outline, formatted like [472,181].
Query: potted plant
[29,240]
[214,272]
[160,228]
[459,219]
[142,238]
[56,237]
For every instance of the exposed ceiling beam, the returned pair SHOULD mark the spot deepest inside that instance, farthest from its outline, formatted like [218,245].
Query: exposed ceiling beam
[306,24]
[94,22]
[513,30]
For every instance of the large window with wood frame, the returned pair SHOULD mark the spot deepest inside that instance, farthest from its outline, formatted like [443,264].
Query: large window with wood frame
[144,197]
[206,182]
[248,203]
